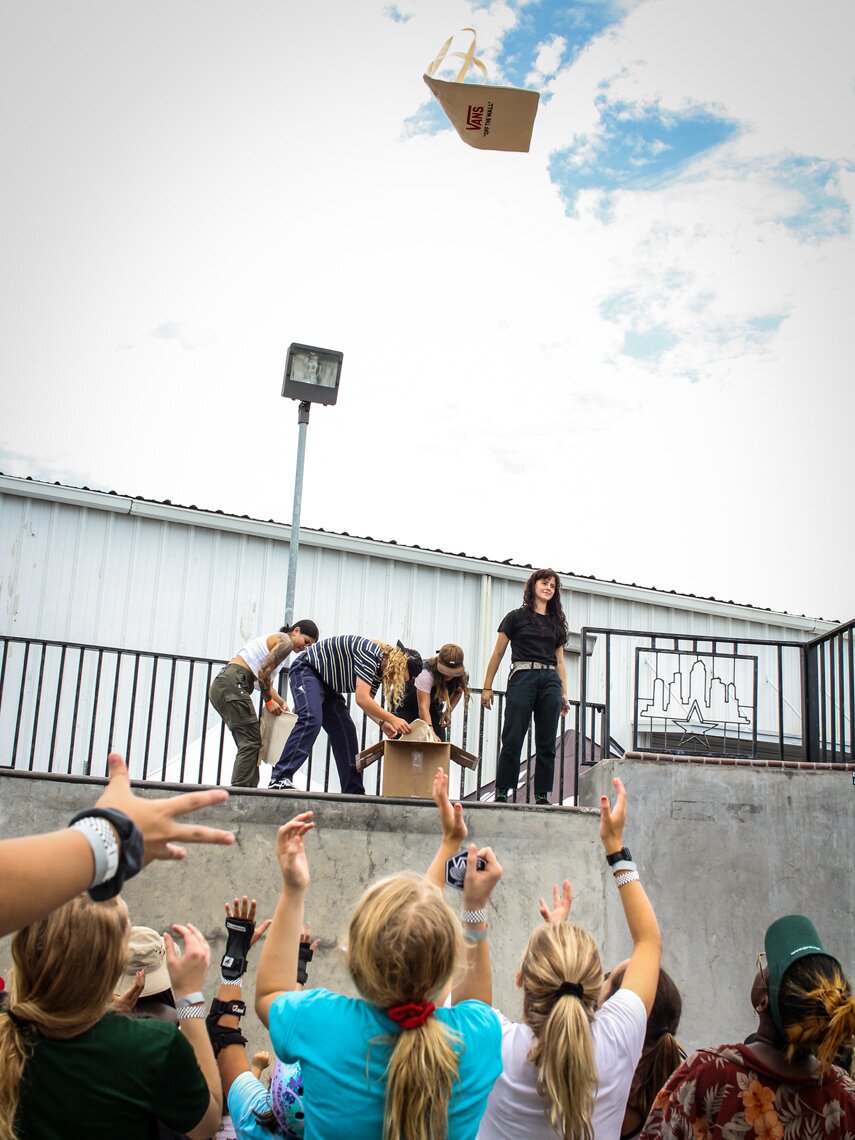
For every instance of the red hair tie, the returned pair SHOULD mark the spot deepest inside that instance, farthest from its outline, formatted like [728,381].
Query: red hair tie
[412,1014]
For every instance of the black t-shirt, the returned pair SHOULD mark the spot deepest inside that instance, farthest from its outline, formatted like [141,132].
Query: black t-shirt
[533,637]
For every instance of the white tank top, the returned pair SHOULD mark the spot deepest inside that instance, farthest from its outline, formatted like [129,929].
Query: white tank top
[254,653]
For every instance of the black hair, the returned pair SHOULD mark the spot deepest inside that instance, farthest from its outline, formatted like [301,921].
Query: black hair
[307,627]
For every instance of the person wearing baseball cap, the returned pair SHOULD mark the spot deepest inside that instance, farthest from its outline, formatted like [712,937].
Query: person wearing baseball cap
[782,1080]
[433,695]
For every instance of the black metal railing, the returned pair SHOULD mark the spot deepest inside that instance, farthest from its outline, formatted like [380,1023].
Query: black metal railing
[829,696]
[64,706]
[696,695]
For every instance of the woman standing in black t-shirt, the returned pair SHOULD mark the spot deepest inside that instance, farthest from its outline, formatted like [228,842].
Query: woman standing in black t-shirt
[537,684]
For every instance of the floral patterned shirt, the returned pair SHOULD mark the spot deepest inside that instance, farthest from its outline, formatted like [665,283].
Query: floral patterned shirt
[728,1094]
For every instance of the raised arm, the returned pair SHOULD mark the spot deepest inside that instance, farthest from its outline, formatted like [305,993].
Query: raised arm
[277,969]
[477,982]
[642,971]
[454,830]
[187,977]
[493,664]
[44,871]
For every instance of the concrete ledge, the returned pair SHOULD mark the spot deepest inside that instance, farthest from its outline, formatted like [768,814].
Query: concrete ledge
[739,762]
[358,839]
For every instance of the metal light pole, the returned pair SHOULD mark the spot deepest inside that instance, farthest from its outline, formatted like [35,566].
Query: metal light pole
[311,376]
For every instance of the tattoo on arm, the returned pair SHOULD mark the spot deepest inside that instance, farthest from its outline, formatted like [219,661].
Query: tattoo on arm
[273,659]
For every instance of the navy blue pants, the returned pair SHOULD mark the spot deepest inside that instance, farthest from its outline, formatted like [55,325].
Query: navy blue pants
[319,707]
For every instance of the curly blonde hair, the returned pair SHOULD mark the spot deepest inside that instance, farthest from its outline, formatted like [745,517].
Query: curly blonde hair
[395,671]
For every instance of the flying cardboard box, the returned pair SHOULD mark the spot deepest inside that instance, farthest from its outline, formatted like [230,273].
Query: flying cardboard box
[410,762]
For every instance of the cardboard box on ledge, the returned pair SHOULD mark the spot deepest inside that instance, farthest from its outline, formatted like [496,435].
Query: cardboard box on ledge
[409,762]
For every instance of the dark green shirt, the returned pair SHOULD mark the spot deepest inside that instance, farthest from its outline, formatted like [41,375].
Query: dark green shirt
[114,1081]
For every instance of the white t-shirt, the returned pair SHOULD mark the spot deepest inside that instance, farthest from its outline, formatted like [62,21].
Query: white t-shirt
[515,1107]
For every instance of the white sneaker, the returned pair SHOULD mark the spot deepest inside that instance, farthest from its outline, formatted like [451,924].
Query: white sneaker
[280,785]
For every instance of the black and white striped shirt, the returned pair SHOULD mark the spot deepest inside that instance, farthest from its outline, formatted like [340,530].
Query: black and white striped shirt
[341,661]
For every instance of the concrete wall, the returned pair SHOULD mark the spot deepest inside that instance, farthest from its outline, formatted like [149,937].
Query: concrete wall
[356,842]
[723,851]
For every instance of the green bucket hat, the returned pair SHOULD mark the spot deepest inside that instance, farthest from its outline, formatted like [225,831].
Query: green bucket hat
[787,940]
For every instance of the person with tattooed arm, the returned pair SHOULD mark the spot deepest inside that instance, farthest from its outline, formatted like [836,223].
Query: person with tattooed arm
[256,665]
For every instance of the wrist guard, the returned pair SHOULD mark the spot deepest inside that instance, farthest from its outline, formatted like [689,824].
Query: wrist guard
[222,1036]
[240,931]
[306,954]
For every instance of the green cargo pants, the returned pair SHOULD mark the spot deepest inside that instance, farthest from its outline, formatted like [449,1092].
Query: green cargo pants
[231,696]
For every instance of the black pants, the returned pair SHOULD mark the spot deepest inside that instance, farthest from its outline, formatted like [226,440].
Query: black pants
[530,691]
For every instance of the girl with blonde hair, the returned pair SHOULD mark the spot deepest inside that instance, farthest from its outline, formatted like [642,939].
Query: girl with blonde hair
[318,677]
[568,1066]
[65,1057]
[388,1063]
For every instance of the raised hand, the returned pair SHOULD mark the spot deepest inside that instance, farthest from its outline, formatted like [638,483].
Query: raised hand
[245,908]
[454,829]
[478,885]
[156,819]
[187,973]
[291,853]
[125,1002]
[561,904]
[613,819]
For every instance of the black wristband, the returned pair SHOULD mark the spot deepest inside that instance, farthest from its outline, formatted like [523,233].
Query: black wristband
[131,851]
[305,955]
[617,856]
[221,1037]
[236,1008]
[234,963]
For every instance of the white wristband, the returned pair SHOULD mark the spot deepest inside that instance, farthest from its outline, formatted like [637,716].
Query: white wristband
[626,877]
[623,865]
[474,915]
[105,847]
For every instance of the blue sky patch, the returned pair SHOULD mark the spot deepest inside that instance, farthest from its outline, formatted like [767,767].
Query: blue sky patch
[540,21]
[824,211]
[638,148]
[648,344]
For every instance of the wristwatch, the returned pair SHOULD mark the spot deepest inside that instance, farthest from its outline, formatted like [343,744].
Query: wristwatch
[618,856]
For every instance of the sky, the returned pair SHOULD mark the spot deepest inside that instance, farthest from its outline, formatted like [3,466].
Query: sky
[626,353]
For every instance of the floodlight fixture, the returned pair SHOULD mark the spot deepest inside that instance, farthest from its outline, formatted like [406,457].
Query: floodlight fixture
[312,374]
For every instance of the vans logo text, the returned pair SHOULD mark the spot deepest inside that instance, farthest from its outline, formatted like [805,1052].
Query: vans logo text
[474,118]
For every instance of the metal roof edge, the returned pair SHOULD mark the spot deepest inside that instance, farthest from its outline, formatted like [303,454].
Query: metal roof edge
[331,540]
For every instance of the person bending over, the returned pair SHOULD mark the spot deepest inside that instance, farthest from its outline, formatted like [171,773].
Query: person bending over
[782,1083]
[435,693]
[537,684]
[257,665]
[336,665]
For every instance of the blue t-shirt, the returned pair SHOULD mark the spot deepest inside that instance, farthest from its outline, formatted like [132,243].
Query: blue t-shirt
[334,1038]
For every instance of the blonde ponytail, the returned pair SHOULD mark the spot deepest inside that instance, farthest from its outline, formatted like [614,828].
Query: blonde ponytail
[396,672]
[817,1009]
[563,1048]
[420,1077]
[403,944]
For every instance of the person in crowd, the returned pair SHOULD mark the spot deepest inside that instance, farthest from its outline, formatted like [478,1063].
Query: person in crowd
[336,665]
[783,1081]
[568,1066]
[70,1066]
[662,1052]
[257,665]
[537,684]
[389,1062]
[255,1111]
[107,844]
[435,693]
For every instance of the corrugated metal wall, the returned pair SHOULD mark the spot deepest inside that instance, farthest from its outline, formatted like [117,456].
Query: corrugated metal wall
[100,569]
